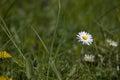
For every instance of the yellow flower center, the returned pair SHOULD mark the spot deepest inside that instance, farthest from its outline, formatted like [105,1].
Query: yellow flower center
[112,42]
[85,37]
[89,59]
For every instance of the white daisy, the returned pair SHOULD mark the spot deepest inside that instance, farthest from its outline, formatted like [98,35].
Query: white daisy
[89,58]
[112,43]
[85,38]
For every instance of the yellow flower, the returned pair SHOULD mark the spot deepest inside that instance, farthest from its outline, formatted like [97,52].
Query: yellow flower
[5,78]
[4,55]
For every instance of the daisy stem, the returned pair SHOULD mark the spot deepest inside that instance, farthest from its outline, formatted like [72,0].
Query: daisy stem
[82,50]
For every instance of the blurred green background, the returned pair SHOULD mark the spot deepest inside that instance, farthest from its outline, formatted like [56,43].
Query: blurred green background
[57,22]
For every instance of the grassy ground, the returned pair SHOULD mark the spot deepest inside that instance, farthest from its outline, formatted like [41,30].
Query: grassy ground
[40,35]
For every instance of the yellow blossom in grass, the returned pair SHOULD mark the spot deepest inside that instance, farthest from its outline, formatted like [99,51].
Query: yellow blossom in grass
[4,55]
[5,78]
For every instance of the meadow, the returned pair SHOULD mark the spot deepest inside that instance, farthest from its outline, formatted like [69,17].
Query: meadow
[59,39]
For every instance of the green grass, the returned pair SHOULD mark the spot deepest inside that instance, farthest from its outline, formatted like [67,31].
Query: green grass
[40,35]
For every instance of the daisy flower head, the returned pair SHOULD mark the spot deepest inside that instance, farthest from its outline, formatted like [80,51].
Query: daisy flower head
[89,58]
[112,43]
[85,38]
